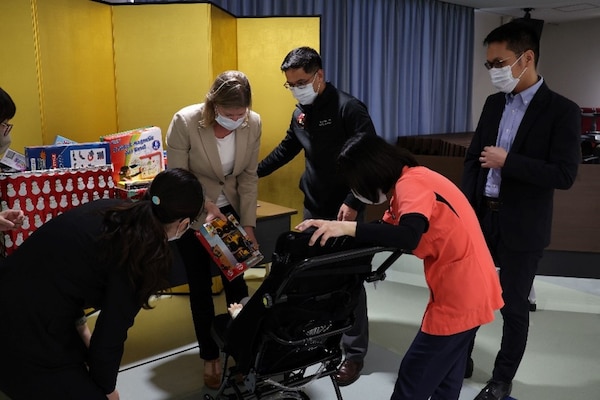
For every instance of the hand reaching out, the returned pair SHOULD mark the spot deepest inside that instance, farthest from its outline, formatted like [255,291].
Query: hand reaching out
[327,229]
[11,219]
[212,212]
[234,309]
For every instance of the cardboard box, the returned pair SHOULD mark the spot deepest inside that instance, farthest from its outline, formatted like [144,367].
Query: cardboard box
[14,160]
[229,246]
[63,140]
[80,155]
[136,154]
[43,195]
[132,194]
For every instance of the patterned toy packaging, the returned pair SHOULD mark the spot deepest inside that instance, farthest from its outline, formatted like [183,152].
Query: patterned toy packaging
[43,195]
[229,245]
[136,154]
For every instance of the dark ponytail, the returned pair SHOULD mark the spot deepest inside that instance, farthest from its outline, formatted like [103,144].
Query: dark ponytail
[135,233]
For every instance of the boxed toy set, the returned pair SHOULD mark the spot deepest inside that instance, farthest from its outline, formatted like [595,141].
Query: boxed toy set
[229,246]
[13,160]
[136,154]
[79,155]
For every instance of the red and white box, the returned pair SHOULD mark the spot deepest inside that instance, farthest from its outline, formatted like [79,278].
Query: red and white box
[43,195]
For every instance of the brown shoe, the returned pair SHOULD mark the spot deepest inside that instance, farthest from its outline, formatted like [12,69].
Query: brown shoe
[348,372]
[212,373]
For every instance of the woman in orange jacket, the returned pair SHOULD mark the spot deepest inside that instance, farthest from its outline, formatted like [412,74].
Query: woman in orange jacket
[430,217]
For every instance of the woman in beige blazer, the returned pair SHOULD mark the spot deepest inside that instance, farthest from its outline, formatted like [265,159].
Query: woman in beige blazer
[218,141]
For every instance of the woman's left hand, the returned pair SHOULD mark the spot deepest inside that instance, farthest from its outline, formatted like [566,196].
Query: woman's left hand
[327,229]
[250,232]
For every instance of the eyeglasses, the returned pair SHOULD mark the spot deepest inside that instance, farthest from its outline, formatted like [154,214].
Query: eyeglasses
[301,84]
[498,63]
[6,127]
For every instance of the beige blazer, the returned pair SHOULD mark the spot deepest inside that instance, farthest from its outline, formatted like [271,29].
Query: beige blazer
[194,148]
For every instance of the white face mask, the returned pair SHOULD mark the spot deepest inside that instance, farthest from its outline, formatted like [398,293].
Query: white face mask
[503,79]
[382,198]
[177,235]
[304,96]
[228,123]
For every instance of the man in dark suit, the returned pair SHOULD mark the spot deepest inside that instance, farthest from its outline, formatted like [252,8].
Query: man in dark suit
[526,145]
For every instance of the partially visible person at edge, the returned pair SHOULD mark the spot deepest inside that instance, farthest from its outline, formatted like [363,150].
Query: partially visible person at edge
[526,145]
[7,112]
[218,141]
[430,217]
[9,219]
[111,255]
[323,120]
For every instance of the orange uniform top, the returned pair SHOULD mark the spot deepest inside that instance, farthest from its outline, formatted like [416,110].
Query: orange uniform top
[459,270]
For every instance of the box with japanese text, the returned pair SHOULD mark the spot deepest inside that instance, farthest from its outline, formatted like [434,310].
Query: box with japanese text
[14,160]
[79,155]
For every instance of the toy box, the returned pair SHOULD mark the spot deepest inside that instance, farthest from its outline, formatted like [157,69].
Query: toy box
[14,160]
[80,155]
[63,140]
[132,194]
[43,195]
[229,246]
[136,154]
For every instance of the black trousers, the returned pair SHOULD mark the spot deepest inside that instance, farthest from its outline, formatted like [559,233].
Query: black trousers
[20,382]
[197,262]
[433,367]
[517,272]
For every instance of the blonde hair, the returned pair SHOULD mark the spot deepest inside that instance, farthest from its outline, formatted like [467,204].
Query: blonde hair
[230,89]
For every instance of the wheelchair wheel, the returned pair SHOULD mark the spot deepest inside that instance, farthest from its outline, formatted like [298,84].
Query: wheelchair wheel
[289,395]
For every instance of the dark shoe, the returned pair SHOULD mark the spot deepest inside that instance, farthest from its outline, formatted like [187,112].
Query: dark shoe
[348,372]
[494,390]
[469,368]
[212,373]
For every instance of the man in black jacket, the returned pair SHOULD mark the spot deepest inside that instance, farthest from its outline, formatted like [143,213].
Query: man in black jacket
[526,145]
[323,120]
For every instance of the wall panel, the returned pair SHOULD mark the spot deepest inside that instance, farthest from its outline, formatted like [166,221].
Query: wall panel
[162,58]
[76,69]
[262,45]
[18,71]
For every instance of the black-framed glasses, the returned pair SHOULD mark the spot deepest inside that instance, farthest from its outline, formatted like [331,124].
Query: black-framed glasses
[499,63]
[301,84]
[6,128]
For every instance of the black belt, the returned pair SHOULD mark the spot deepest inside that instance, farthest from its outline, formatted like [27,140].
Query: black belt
[492,203]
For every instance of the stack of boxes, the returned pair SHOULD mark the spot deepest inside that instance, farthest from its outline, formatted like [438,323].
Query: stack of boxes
[48,180]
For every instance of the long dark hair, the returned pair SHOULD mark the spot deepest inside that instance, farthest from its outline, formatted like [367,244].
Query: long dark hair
[368,164]
[135,232]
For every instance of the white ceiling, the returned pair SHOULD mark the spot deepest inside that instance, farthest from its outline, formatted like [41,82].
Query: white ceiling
[551,11]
